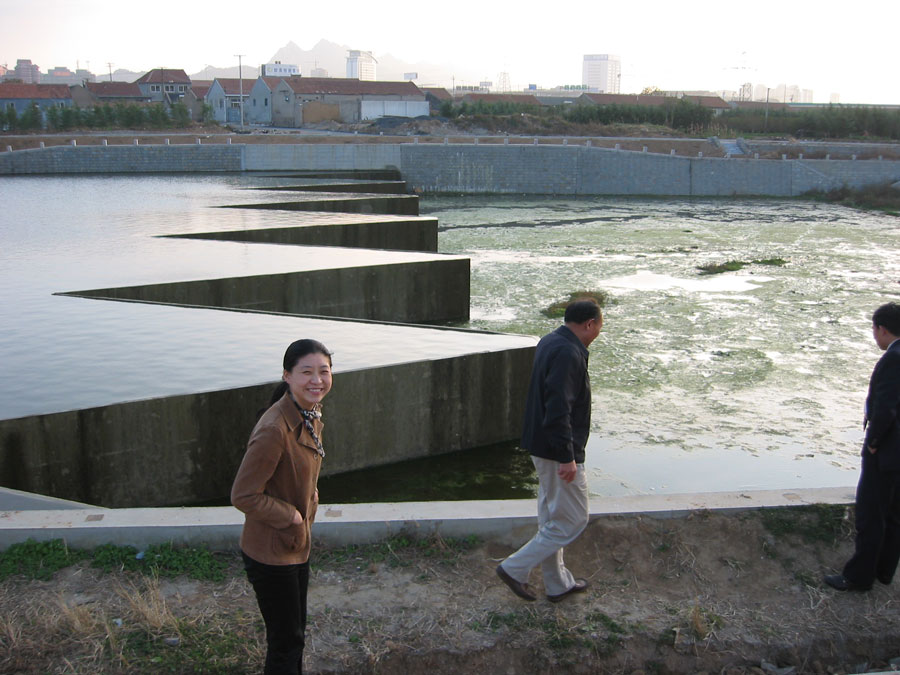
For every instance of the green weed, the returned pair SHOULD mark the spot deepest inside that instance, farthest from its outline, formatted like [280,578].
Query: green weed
[815,523]
[37,560]
[40,560]
[558,309]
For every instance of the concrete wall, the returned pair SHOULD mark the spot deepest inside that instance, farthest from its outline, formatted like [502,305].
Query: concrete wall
[191,451]
[123,159]
[397,235]
[410,292]
[319,156]
[583,171]
[534,169]
[406,205]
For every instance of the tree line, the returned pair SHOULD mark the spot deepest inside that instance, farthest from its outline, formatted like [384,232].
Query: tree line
[834,121]
[106,116]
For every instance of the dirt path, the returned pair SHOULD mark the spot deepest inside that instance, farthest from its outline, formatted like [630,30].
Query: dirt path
[710,593]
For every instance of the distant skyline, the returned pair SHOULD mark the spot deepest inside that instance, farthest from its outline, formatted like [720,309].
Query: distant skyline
[673,46]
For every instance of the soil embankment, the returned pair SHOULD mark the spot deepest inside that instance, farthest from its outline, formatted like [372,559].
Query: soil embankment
[724,593]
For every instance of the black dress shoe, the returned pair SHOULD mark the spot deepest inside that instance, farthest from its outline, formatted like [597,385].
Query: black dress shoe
[841,583]
[884,580]
[579,587]
[517,587]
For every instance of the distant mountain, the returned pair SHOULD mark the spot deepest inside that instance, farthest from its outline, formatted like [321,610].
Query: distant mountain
[211,73]
[332,57]
[328,55]
[119,75]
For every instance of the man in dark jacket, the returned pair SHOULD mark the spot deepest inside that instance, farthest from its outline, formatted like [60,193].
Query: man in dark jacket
[878,492]
[557,425]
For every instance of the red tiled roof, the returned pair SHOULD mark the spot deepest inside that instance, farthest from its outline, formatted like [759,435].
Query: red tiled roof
[439,93]
[164,76]
[525,99]
[627,99]
[350,87]
[232,85]
[716,102]
[114,89]
[200,90]
[10,90]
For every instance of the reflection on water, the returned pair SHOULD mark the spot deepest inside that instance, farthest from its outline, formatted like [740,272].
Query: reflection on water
[748,379]
[493,472]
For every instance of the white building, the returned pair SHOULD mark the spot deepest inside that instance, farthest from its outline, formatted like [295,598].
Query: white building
[278,69]
[602,73]
[361,65]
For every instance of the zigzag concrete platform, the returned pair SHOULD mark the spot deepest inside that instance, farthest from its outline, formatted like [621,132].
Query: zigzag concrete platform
[151,400]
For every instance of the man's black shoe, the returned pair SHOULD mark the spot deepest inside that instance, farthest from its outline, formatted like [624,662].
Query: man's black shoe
[884,580]
[841,583]
[522,590]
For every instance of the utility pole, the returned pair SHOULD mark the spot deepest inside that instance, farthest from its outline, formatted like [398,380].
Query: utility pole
[110,65]
[241,87]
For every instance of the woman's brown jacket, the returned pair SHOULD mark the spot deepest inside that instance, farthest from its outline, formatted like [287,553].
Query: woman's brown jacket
[276,478]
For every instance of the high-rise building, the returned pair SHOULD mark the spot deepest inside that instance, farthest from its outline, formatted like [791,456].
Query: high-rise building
[602,73]
[28,72]
[361,65]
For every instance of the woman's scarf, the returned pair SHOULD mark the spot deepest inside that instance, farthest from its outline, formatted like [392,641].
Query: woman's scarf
[308,416]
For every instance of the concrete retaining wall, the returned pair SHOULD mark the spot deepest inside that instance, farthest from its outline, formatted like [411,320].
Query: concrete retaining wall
[572,170]
[420,234]
[406,205]
[537,169]
[316,156]
[189,453]
[432,291]
[124,159]
[835,148]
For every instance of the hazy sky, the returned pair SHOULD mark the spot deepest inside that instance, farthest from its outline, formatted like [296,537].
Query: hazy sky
[849,48]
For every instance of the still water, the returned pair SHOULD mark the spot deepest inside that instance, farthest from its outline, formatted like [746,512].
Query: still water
[743,380]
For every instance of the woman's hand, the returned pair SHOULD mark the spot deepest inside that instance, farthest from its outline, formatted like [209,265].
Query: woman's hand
[297,519]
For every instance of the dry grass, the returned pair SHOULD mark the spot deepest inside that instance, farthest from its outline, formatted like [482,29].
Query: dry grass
[711,592]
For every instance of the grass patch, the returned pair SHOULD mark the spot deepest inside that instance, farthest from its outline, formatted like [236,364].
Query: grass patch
[207,646]
[735,265]
[40,560]
[163,560]
[815,523]
[37,559]
[558,309]
[595,630]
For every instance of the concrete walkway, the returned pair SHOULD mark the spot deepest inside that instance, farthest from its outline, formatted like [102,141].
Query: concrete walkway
[506,521]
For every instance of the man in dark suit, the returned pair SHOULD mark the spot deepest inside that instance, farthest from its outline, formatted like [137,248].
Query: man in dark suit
[556,429]
[878,492]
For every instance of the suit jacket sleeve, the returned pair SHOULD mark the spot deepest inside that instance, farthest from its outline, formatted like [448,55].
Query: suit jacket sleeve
[884,397]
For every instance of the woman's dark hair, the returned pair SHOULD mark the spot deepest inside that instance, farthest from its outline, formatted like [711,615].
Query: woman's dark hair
[296,351]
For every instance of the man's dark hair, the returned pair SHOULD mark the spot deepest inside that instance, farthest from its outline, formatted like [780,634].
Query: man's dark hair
[888,315]
[581,311]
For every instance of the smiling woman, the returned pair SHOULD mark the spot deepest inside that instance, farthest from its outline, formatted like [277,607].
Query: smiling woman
[275,487]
